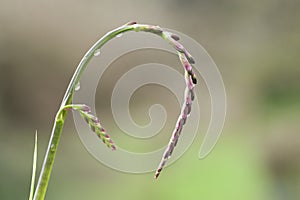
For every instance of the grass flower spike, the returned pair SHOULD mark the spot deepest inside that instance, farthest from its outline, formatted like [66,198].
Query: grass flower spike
[189,96]
[93,122]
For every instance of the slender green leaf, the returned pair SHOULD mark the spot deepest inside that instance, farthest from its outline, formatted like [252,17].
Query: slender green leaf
[33,167]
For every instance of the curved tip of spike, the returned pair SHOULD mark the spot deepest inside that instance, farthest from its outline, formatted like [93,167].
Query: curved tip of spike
[157,173]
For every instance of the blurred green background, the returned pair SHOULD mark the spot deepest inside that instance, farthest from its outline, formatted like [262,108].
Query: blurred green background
[256,46]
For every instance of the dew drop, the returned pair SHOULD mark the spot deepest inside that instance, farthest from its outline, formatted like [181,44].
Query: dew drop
[52,147]
[119,35]
[77,86]
[97,52]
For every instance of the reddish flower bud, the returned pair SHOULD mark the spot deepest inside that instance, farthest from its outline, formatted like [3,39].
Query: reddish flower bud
[131,23]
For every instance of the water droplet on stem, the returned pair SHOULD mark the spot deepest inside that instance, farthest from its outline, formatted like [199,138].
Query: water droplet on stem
[52,147]
[97,52]
[77,86]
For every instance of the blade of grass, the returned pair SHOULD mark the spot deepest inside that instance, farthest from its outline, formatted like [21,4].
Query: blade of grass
[33,167]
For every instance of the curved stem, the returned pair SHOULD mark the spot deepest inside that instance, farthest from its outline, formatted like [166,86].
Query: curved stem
[89,55]
[42,184]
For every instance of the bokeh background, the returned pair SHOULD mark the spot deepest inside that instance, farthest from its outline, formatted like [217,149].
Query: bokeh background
[256,46]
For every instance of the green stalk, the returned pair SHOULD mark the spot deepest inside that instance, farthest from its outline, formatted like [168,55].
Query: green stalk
[42,184]
[49,158]
[47,166]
